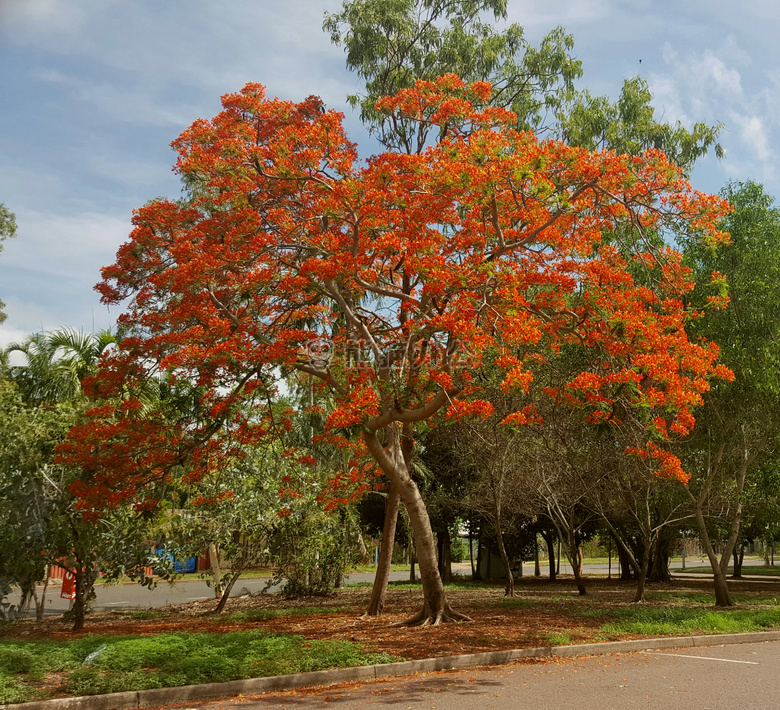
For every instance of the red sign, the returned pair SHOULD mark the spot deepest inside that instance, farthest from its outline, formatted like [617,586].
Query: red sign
[68,590]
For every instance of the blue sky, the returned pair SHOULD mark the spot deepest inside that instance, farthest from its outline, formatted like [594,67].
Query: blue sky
[94,91]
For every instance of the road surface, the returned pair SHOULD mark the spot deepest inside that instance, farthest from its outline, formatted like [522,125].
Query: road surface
[703,678]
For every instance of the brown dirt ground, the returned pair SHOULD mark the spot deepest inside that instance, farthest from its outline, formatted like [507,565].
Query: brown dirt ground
[539,609]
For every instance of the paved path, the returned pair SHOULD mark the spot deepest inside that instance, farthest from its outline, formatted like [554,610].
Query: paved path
[134,596]
[702,678]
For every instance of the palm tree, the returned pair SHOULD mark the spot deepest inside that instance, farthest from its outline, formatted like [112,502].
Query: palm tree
[50,380]
[56,363]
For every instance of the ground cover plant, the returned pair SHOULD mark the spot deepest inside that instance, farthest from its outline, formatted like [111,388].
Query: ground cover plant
[267,634]
[95,663]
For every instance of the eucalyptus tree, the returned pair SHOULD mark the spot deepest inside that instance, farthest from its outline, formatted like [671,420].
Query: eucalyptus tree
[739,426]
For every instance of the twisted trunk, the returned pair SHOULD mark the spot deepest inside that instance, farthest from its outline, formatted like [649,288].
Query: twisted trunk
[435,607]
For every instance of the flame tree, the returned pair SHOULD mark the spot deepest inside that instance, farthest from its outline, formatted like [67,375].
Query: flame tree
[392,283]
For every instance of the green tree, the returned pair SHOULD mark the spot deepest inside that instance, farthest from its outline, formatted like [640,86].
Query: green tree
[629,126]
[7,230]
[55,363]
[27,441]
[739,426]
[392,43]
[41,510]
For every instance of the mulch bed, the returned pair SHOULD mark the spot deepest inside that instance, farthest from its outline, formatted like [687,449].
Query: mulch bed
[540,608]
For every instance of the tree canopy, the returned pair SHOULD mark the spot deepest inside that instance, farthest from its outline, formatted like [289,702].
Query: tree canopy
[392,283]
[7,230]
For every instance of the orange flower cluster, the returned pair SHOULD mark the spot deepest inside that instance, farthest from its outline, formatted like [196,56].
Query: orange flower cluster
[488,242]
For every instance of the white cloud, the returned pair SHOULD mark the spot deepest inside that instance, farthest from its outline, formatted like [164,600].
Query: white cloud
[753,135]
[65,247]
[710,68]
[28,19]
[48,271]
[533,13]
[123,103]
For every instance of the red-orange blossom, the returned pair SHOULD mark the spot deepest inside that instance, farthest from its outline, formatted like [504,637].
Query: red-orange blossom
[415,268]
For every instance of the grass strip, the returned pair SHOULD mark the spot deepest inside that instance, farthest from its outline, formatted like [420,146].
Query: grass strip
[746,570]
[35,670]
[675,620]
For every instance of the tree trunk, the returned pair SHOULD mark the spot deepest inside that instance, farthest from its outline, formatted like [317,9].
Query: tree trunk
[216,572]
[226,592]
[477,576]
[40,602]
[379,591]
[412,561]
[365,558]
[509,590]
[549,538]
[739,557]
[435,608]
[444,553]
[575,558]
[659,561]
[722,596]
[641,576]
[537,568]
[471,553]
[626,568]
[85,583]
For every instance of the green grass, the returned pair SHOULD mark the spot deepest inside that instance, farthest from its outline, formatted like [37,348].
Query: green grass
[164,660]
[675,620]
[145,614]
[266,614]
[463,583]
[558,638]
[372,568]
[746,569]
[515,603]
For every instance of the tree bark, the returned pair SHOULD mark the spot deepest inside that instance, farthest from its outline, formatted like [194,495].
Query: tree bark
[365,558]
[40,602]
[435,608]
[549,539]
[722,595]
[641,573]
[216,572]
[471,553]
[537,568]
[444,552]
[226,591]
[575,558]
[659,561]
[379,591]
[739,556]
[509,590]
[480,555]
[85,583]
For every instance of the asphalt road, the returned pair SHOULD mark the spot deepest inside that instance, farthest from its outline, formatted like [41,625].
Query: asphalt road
[133,596]
[742,676]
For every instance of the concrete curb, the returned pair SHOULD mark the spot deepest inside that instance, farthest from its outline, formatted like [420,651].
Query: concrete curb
[163,696]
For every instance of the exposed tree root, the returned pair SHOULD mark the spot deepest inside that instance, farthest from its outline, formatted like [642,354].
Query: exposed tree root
[426,617]
[373,612]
